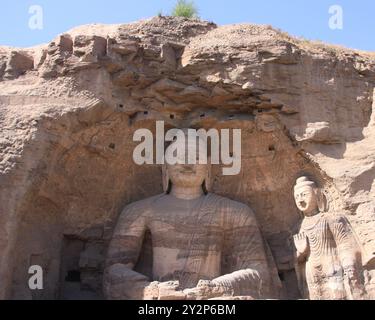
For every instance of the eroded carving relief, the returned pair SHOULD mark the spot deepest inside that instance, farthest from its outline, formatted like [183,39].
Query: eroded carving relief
[204,245]
[69,110]
[329,262]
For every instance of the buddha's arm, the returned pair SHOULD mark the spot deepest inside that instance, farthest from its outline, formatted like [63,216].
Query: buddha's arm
[245,282]
[120,281]
[244,262]
[349,253]
[347,246]
[244,259]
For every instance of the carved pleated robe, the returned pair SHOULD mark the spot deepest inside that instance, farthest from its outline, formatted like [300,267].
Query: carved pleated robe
[333,270]
[192,240]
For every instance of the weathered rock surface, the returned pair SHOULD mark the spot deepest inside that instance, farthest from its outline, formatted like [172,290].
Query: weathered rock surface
[68,110]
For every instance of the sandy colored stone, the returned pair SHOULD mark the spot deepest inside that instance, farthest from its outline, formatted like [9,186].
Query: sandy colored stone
[329,259]
[68,110]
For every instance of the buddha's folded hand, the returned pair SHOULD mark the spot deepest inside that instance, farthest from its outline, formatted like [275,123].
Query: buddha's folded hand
[205,289]
[169,290]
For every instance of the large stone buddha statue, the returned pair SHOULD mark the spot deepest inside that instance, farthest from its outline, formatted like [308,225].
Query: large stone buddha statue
[203,245]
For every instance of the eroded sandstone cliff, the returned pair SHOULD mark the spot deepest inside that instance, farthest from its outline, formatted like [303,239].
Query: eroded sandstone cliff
[68,111]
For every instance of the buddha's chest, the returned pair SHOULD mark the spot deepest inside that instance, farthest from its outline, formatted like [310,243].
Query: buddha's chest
[320,237]
[177,216]
[186,229]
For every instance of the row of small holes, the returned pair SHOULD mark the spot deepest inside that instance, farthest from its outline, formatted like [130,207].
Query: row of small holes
[172,115]
[270,148]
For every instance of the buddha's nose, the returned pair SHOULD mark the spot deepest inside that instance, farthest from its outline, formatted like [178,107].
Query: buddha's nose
[188,167]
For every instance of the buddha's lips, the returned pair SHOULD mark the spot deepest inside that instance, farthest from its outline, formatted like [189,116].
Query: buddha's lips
[187,171]
[302,204]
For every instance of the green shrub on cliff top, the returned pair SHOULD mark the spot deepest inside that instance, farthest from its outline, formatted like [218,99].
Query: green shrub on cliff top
[185,9]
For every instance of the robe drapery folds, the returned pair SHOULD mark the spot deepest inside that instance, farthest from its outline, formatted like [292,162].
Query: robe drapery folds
[333,267]
[209,238]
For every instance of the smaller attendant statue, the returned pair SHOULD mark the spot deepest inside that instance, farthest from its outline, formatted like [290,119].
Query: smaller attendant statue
[328,257]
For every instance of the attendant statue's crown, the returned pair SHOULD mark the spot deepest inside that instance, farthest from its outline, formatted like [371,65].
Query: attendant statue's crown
[304,181]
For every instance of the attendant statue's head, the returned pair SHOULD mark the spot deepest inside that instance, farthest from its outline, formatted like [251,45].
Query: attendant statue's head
[186,172]
[308,197]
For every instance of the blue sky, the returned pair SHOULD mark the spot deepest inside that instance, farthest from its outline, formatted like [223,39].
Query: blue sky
[307,18]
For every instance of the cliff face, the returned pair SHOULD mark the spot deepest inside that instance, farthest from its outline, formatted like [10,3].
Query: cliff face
[68,111]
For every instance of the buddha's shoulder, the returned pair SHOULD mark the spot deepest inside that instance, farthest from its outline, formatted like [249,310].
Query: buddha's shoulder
[142,205]
[336,217]
[229,204]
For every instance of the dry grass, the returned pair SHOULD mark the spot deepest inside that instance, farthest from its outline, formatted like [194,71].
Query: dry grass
[319,45]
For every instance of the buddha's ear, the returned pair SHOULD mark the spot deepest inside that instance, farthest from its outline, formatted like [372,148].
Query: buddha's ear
[165,177]
[321,199]
[207,179]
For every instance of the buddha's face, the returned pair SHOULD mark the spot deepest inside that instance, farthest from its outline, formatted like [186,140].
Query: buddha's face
[185,174]
[306,200]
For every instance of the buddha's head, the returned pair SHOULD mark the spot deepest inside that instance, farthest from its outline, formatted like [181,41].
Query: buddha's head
[182,172]
[308,197]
